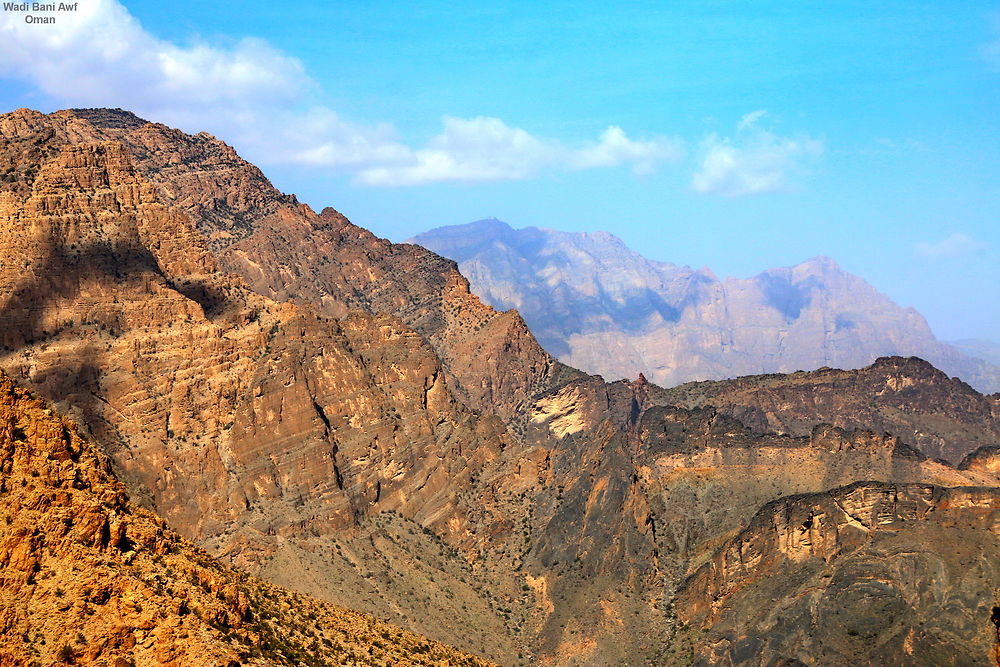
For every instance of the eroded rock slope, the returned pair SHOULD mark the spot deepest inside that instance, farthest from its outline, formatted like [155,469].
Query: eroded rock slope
[87,577]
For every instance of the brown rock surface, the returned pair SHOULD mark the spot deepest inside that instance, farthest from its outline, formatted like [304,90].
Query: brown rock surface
[638,495]
[86,577]
[864,574]
[984,460]
[491,358]
[942,416]
[244,422]
[287,252]
[326,443]
[116,306]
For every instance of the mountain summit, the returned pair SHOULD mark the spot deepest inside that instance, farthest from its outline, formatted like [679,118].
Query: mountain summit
[601,307]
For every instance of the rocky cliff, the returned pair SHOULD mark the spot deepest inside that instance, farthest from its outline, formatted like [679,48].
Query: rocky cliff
[287,252]
[859,574]
[599,306]
[640,494]
[87,577]
[245,422]
[941,416]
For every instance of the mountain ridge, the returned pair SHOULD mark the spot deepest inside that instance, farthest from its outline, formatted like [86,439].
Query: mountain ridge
[587,294]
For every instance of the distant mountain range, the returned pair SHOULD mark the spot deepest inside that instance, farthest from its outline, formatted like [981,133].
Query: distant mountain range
[603,308]
[987,350]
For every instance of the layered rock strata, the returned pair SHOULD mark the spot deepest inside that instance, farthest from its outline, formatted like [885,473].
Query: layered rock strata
[872,573]
[340,415]
[943,417]
[87,577]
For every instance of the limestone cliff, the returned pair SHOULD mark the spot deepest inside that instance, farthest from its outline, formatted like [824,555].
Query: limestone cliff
[864,574]
[339,415]
[289,253]
[245,422]
[638,494]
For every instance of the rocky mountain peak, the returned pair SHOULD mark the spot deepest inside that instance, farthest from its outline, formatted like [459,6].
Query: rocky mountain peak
[820,264]
[341,414]
[118,119]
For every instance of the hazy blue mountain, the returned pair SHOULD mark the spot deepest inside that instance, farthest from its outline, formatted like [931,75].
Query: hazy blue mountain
[606,309]
[987,350]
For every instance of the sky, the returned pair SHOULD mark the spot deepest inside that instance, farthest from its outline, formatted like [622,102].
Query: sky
[735,135]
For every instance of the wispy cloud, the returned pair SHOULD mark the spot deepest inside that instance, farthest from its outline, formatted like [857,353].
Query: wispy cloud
[257,98]
[956,245]
[486,149]
[752,161]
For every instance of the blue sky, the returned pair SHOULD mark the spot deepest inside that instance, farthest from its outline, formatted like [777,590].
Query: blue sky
[737,135]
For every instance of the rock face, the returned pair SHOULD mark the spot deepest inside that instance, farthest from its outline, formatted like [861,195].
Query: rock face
[116,305]
[341,416]
[86,577]
[854,575]
[287,252]
[601,307]
[243,421]
[639,494]
[941,416]
[490,358]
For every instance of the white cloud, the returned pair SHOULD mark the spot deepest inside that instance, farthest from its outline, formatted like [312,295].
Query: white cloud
[750,120]
[486,149]
[256,97]
[953,246]
[614,148]
[101,53]
[754,160]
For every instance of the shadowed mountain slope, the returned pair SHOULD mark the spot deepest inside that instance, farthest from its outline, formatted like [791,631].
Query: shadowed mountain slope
[252,426]
[941,416]
[885,574]
[285,251]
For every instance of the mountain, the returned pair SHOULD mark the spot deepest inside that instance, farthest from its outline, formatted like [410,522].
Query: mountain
[599,306]
[987,350]
[692,482]
[88,577]
[814,580]
[338,415]
[943,417]
[257,428]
